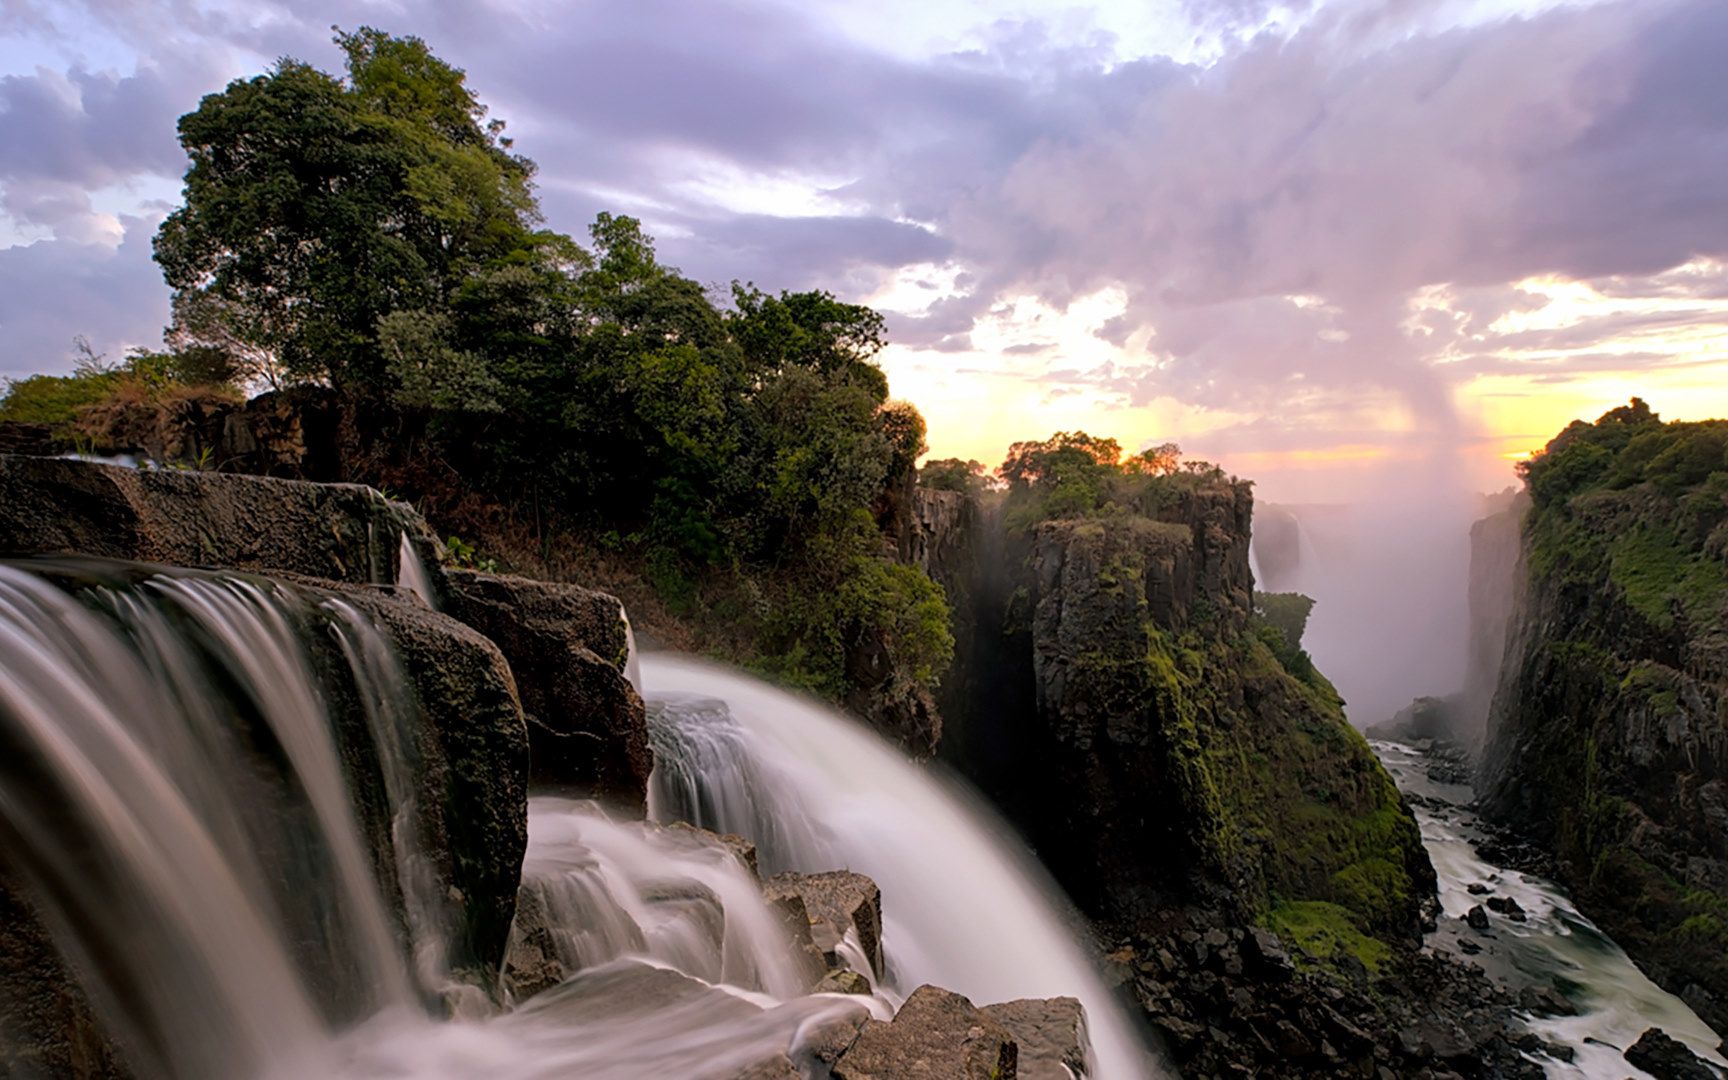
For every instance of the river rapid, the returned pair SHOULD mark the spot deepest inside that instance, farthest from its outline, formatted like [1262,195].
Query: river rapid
[1553,948]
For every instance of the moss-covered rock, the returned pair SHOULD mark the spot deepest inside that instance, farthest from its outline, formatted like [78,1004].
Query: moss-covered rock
[1191,762]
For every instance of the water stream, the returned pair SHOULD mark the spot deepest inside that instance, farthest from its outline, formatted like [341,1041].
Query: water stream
[1553,947]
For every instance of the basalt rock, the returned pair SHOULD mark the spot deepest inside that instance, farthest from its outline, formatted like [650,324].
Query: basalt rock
[1051,1034]
[588,731]
[338,532]
[471,769]
[1228,1003]
[936,1035]
[1667,1058]
[836,903]
[1187,759]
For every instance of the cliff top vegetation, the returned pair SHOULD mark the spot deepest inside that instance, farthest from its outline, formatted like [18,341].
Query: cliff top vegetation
[1641,502]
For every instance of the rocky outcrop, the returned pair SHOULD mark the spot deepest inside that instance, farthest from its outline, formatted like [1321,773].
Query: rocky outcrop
[1051,1035]
[338,532]
[1231,1001]
[936,1035]
[471,772]
[835,904]
[1666,1058]
[567,647]
[1191,760]
[1608,743]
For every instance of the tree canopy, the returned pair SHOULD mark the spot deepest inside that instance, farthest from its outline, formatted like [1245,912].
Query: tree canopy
[376,232]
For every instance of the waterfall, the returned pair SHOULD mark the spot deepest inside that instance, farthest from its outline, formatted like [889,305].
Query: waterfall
[170,793]
[964,905]
[179,755]
[411,574]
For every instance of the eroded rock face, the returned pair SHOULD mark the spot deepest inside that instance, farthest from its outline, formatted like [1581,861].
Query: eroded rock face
[1184,760]
[338,532]
[588,730]
[473,768]
[1607,744]
[936,1035]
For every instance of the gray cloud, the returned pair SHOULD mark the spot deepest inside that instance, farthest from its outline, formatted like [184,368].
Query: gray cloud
[1584,141]
[52,290]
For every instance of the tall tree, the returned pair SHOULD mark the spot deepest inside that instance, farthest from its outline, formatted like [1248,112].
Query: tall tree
[316,207]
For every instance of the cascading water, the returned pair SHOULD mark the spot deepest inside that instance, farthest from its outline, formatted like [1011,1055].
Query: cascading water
[169,789]
[411,574]
[1553,946]
[963,906]
[173,799]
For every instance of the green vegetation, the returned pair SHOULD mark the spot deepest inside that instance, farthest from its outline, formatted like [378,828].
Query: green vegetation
[1638,503]
[1074,475]
[374,236]
[1322,931]
[1279,621]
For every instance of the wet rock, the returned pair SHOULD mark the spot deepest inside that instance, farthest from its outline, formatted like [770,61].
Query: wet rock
[473,769]
[1476,888]
[1667,1058]
[1477,918]
[339,532]
[1545,1001]
[740,848]
[47,1027]
[1051,1034]
[936,1035]
[531,962]
[836,902]
[1507,906]
[587,727]
[843,981]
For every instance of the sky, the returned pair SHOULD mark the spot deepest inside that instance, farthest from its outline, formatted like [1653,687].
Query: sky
[1333,244]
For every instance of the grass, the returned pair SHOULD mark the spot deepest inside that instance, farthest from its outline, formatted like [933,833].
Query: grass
[1322,930]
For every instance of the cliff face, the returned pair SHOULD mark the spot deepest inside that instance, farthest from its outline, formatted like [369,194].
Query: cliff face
[1609,732]
[1494,584]
[1163,755]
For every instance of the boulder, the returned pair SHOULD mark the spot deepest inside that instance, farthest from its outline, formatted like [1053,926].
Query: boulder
[339,532]
[1667,1058]
[587,728]
[836,902]
[936,1035]
[1051,1034]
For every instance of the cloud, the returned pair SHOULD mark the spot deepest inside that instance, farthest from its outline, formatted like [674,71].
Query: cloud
[1355,156]
[52,290]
